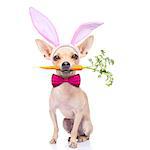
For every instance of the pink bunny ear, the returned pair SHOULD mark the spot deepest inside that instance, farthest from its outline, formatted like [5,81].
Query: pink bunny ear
[44,26]
[83,31]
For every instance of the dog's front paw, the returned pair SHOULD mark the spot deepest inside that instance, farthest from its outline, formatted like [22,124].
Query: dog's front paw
[53,141]
[73,144]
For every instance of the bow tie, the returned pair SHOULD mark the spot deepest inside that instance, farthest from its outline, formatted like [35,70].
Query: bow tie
[73,80]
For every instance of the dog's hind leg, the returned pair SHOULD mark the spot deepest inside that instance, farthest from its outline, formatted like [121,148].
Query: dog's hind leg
[68,125]
[85,131]
[87,127]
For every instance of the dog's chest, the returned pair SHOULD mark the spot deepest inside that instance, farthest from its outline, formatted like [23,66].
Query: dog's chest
[66,97]
[65,92]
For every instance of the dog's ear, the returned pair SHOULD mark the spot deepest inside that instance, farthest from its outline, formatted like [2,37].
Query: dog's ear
[44,48]
[85,46]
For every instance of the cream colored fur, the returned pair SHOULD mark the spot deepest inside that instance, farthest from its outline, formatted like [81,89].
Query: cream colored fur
[70,100]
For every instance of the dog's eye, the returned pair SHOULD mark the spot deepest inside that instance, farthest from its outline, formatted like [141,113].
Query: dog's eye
[74,56]
[55,58]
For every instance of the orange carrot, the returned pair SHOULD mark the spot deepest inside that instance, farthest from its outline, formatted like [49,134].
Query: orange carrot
[74,68]
[78,67]
[50,67]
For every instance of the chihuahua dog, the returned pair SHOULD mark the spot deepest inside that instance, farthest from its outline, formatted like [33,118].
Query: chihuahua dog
[66,95]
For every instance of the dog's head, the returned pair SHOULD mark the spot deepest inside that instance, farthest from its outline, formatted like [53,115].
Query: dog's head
[64,56]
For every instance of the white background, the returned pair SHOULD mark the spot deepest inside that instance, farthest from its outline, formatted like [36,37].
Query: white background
[120,114]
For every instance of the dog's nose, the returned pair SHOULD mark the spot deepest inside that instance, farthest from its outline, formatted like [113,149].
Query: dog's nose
[66,65]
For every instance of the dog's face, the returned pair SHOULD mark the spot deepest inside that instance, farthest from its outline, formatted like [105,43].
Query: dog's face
[65,56]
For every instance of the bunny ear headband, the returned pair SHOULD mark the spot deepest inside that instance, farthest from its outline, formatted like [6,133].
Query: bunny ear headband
[45,27]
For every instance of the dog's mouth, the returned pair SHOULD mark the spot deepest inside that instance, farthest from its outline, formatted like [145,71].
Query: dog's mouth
[66,71]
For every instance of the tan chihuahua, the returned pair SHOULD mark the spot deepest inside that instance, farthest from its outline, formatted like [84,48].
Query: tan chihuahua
[69,98]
